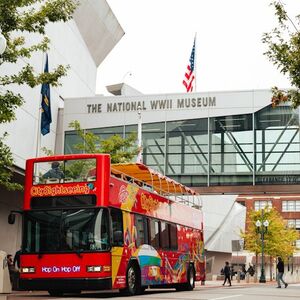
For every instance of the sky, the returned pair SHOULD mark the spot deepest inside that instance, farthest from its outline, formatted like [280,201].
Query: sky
[153,54]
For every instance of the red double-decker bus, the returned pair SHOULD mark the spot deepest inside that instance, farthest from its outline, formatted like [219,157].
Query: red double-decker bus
[90,225]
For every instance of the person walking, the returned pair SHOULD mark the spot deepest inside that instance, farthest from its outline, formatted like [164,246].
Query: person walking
[280,268]
[227,272]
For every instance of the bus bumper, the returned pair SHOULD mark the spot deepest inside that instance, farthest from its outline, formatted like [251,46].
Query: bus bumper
[65,284]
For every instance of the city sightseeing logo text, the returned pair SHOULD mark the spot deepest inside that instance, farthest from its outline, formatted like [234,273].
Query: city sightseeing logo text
[59,190]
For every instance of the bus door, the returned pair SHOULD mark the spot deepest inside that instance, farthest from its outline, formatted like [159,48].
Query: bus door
[117,256]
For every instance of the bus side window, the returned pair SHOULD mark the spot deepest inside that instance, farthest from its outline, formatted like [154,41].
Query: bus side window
[165,235]
[154,233]
[117,227]
[141,226]
[173,236]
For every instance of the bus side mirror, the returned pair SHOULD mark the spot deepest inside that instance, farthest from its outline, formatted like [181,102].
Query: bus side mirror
[11,218]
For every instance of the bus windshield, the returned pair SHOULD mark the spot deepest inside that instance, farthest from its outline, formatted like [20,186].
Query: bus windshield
[66,230]
[64,171]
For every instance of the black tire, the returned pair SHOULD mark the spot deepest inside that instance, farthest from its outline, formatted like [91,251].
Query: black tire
[133,280]
[190,284]
[55,293]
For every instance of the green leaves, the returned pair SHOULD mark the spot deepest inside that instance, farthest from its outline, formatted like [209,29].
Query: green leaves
[278,240]
[284,52]
[121,150]
[8,103]
[6,163]
[29,16]
[16,18]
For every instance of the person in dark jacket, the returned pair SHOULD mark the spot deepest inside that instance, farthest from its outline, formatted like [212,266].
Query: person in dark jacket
[280,268]
[54,172]
[227,273]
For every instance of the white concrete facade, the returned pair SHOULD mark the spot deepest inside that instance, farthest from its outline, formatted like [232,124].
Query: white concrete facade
[79,44]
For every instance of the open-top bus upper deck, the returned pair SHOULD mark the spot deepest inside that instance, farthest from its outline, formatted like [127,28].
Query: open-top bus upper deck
[86,175]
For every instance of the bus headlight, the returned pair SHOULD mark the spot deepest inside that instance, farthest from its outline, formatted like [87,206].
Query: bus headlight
[93,268]
[28,270]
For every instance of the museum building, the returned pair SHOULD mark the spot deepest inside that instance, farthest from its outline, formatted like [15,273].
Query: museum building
[229,143]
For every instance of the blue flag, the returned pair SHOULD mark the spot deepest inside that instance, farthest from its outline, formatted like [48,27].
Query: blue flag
[46,118]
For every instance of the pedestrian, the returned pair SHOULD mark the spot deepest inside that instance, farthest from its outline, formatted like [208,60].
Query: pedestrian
[13,272]
[280,268]
[16,261]
[251,270]
[227,273]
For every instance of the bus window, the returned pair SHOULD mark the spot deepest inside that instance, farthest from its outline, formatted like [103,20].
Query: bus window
[164,233]
[65,230]
[173,237]
[117,227]
[154,233]
[64,171]
[141,226]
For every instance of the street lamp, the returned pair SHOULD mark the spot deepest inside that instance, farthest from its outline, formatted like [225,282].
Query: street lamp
[139,158]
[2,43]
[262,228]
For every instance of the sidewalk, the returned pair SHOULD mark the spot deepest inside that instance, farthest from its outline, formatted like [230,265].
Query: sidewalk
[208,284]
[234,283]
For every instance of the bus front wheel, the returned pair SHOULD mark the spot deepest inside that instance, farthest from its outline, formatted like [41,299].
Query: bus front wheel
[133,280]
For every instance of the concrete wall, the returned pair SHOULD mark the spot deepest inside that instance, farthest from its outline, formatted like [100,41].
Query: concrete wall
[10,235]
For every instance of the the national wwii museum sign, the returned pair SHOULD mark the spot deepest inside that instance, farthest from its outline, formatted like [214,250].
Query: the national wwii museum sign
[159,104]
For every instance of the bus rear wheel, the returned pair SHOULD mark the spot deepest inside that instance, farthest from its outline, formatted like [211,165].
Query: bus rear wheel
[190,284]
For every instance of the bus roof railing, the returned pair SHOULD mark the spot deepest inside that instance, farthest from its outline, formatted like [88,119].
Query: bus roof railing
[148,179]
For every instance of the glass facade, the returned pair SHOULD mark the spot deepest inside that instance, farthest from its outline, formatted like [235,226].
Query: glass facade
[246,149]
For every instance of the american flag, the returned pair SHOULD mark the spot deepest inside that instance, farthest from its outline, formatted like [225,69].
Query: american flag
[189,76]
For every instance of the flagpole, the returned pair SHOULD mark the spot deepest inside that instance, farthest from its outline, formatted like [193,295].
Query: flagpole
[195,66]
[38,132]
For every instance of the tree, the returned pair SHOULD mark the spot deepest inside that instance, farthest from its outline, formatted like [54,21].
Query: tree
[279,239]
[16,18]
[121,150]
[283,51]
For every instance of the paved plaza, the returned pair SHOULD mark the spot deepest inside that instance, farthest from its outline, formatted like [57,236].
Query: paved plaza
[213,290]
